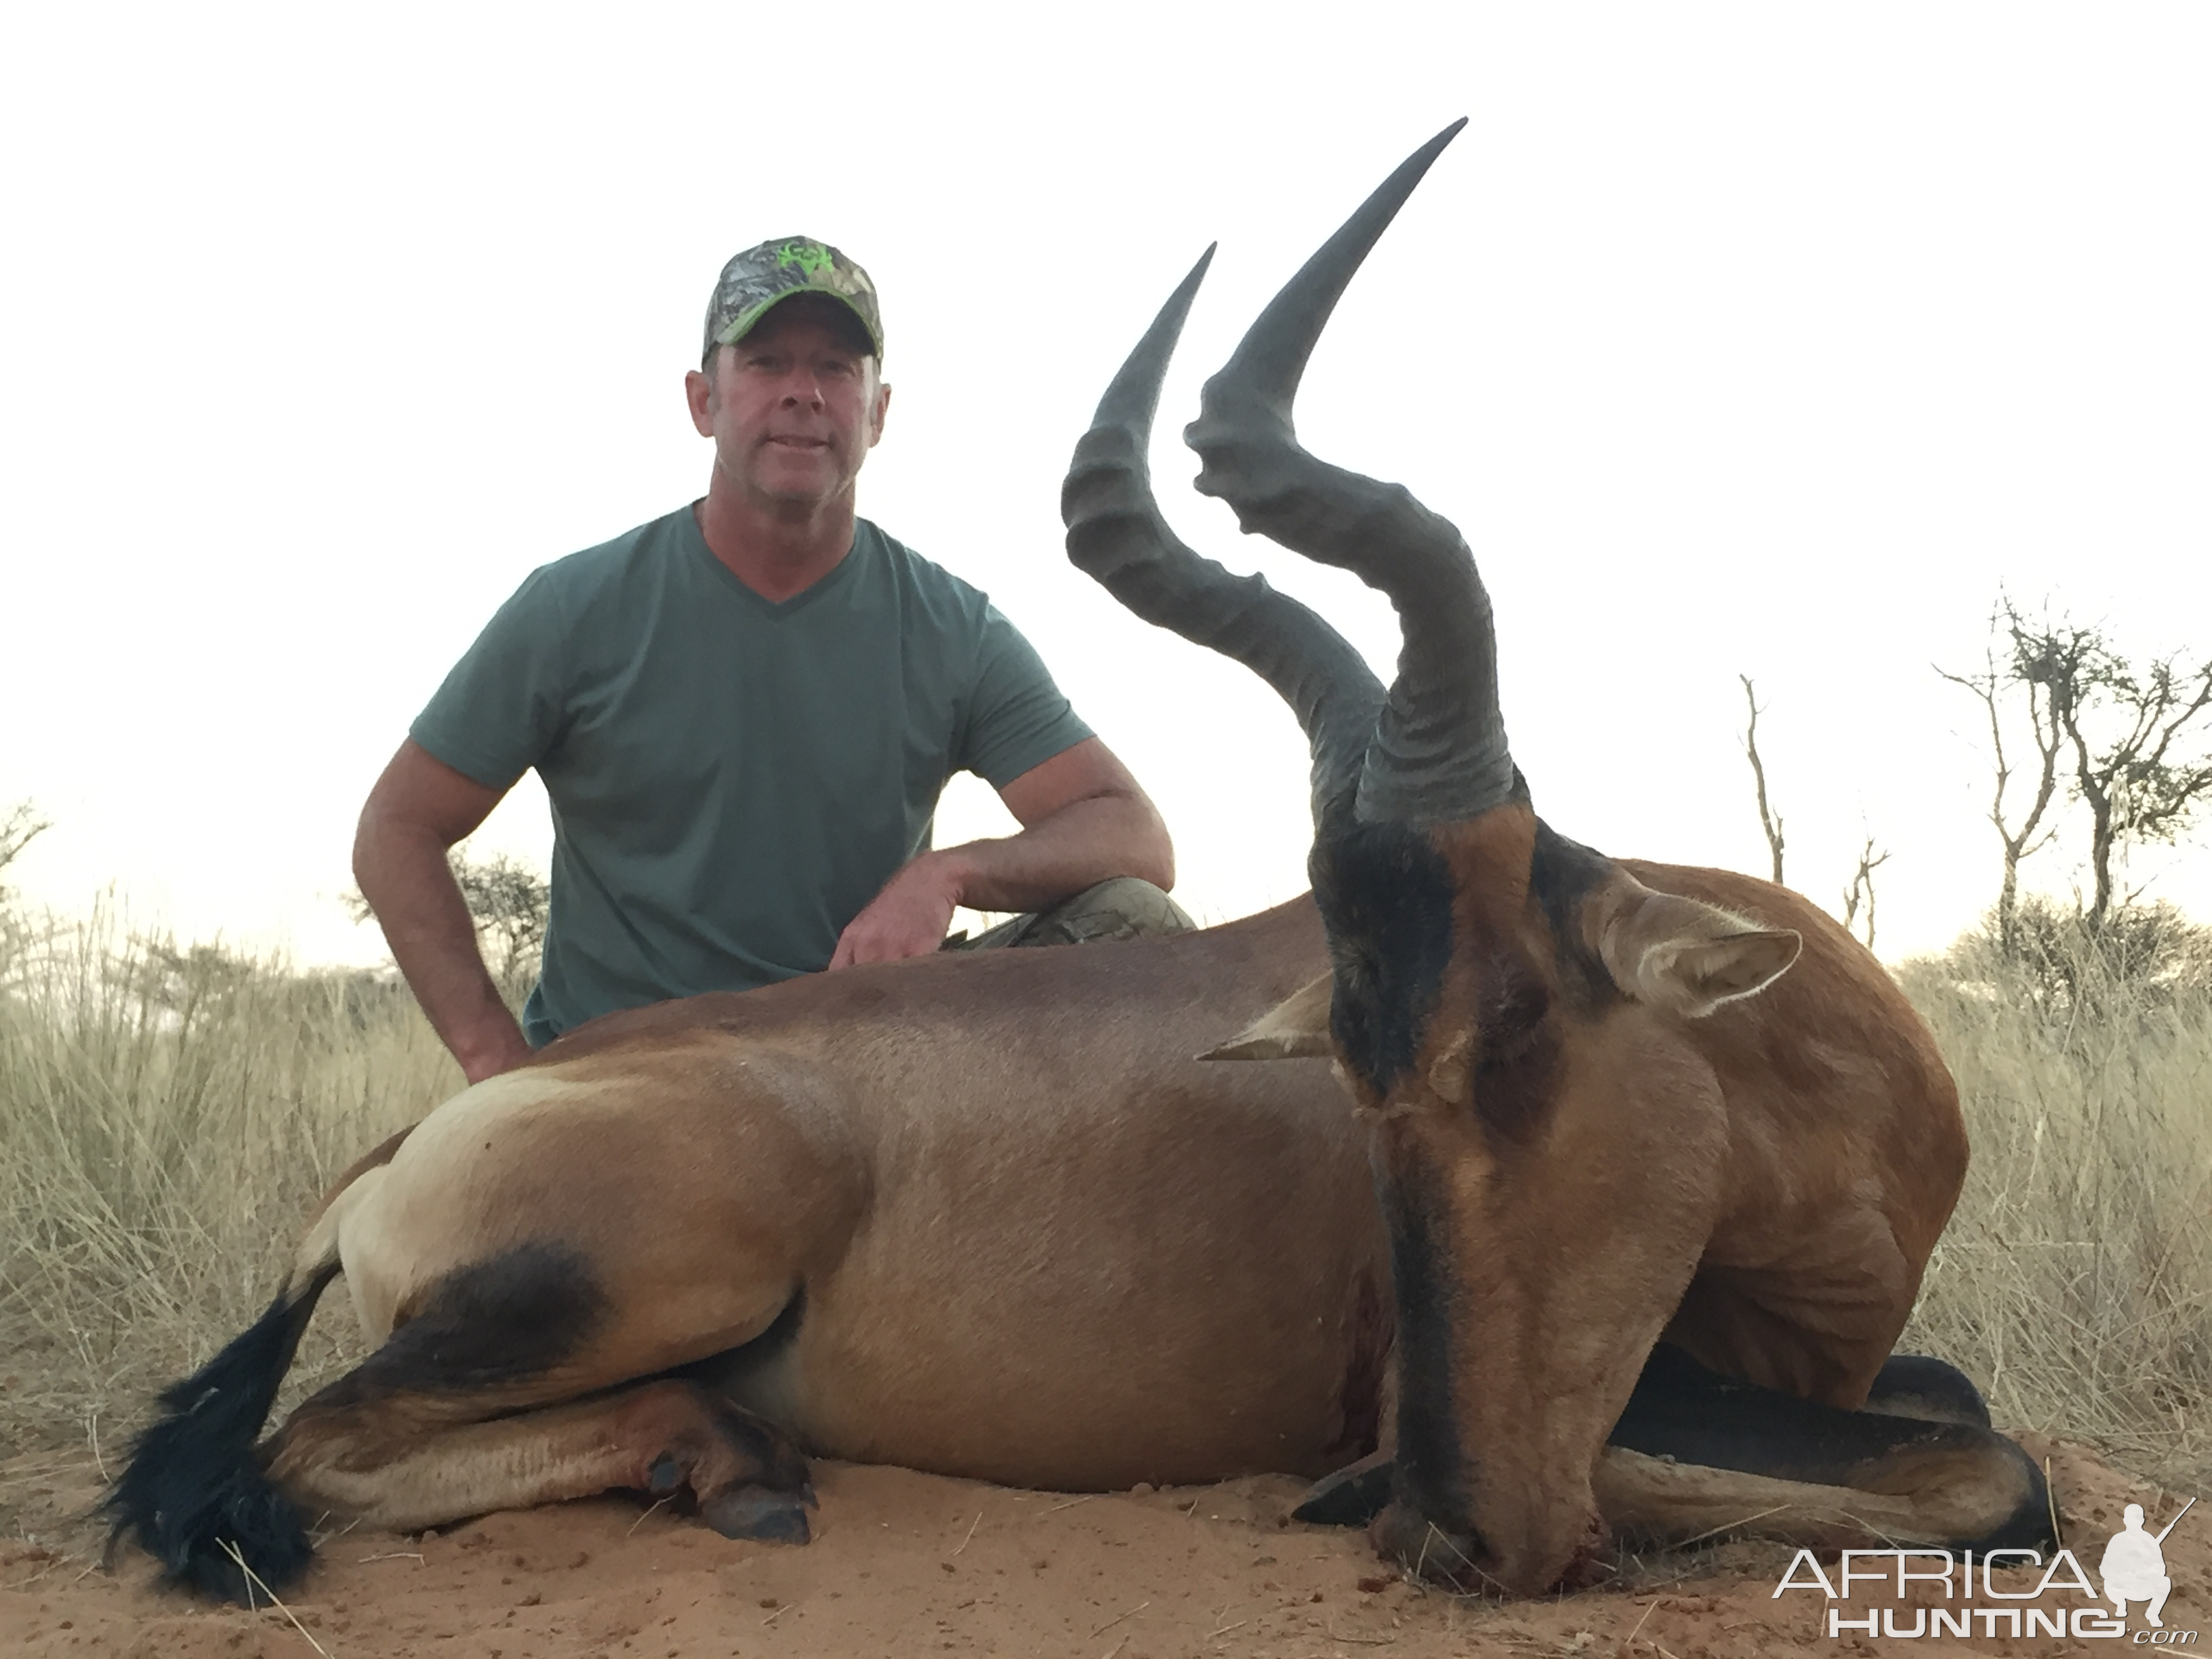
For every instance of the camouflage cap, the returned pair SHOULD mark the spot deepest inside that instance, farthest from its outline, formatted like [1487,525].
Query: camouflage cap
[760,278]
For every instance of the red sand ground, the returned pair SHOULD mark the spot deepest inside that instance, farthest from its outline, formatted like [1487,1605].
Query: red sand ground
[910,1563]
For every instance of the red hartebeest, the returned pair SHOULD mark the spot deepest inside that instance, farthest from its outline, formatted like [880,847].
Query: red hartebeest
[1595,1124]
[991,1215]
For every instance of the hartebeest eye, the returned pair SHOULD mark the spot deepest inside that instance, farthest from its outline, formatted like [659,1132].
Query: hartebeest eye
[1512,1017]
[1515,1048]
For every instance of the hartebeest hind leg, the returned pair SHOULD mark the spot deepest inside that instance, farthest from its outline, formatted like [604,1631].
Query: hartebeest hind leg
[517,1382]
[534,1373]
[404,1462]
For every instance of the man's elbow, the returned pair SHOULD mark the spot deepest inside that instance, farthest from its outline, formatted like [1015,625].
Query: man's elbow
[417,810]
[392,849]
[1151,850]
[383,834]
[369,837]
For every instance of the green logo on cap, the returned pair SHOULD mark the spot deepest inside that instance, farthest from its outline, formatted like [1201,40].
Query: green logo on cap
[811,258]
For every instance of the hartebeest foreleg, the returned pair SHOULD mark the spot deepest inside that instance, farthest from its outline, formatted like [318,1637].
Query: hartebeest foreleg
[1697,1452]
[1697,1455]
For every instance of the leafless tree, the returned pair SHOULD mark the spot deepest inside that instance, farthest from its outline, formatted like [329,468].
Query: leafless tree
[1992,685]
[1768,820]
[1861,891]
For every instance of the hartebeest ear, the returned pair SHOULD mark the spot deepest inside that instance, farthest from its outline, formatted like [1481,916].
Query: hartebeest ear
[1685,956]
[1296,1028]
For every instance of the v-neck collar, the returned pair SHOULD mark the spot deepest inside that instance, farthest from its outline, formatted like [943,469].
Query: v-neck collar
[775,610]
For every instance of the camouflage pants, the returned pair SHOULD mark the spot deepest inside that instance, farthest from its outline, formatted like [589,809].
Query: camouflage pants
[1124,908]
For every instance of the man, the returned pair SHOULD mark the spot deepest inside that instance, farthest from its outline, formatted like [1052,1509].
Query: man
[743,713]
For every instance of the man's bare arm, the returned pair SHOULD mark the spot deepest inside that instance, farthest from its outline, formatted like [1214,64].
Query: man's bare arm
[418,810]
[1083,820]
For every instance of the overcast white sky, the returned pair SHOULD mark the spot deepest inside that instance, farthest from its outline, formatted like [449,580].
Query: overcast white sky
[1737,339]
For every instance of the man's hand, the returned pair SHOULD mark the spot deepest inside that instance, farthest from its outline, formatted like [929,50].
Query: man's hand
[508,1049]
[1083,820]
[907,919]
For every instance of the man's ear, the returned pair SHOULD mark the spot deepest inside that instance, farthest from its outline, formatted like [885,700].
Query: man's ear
[883,408]
[1296,1028]
[1685,956]
[698,393]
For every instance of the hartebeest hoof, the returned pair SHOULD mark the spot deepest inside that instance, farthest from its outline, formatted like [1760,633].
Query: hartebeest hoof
[1914,1385]
[748,1479]
[760,1515]
[1352,1497]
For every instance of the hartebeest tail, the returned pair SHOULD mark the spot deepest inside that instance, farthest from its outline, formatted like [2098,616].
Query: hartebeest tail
[193,1495]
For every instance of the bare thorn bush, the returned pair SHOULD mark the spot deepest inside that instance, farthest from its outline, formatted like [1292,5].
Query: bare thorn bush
[510,903]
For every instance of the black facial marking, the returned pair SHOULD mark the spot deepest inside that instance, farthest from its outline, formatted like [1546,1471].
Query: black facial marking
[512,1315]
[1386,899]
[1518,1036]
[1432,1473]
[1374,1329]
[1510,1016]
[1516,1049]
[1561,875]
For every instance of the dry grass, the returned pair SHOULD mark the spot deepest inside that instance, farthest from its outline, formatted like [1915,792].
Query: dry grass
[168,1117]
[2075,1280]
[165,1118]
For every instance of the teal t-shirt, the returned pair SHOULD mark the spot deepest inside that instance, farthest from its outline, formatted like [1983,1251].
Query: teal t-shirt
[732,779]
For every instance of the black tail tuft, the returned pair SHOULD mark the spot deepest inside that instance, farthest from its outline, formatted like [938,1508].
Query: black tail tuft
[193,1486]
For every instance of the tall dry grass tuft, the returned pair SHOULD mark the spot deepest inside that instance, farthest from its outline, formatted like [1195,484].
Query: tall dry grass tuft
[2075,1280]
[167,1117]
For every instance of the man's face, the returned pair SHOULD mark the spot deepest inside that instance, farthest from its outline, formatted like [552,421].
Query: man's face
[793,407]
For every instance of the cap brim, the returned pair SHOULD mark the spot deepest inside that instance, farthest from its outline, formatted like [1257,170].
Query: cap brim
[744,322]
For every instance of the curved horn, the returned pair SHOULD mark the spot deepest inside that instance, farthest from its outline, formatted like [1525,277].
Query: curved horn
[1116,535]
[1439,750]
